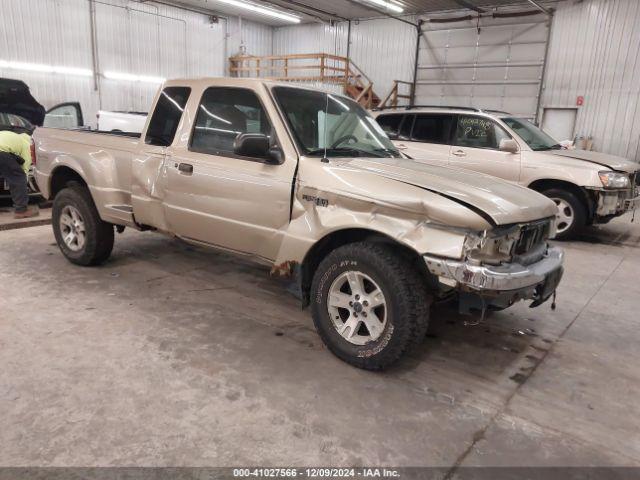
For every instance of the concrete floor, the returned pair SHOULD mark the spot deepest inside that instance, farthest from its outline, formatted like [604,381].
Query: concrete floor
[7,222]
[173,355]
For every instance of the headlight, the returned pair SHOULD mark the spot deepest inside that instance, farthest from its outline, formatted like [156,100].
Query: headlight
[493,246]
[614,179]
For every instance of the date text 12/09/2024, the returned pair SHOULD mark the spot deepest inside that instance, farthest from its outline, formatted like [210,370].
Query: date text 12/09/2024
[315,473]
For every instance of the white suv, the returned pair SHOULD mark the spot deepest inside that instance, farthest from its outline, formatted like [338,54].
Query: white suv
[588,187]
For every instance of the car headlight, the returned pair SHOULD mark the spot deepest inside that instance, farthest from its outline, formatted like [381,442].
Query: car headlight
[492,246]
[614,179]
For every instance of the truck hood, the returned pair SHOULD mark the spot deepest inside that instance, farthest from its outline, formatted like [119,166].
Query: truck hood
[498,201]
[611,161]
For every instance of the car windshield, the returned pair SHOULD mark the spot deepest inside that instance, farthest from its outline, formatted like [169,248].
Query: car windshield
[532,135]
[331,125]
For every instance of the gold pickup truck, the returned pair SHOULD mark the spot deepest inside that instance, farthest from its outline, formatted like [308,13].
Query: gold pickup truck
[307,182]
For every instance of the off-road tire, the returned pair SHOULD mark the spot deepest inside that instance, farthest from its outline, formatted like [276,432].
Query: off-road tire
[579,212]
[99,235]
[405,292]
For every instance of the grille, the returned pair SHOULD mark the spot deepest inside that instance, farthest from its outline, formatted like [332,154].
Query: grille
[531,236]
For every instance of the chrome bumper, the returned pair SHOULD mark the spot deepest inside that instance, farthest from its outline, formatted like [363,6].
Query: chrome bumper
[494,279]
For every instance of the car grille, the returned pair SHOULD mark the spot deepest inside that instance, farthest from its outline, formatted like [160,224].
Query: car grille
[531,236]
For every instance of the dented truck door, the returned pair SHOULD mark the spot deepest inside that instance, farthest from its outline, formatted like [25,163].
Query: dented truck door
[219,196]
[148,178]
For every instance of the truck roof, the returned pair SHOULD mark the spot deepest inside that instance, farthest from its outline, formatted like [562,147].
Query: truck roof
[205,82]
[443,109]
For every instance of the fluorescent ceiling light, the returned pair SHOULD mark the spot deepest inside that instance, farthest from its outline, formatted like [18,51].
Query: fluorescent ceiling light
[43,68]
[129,77]
[261,10]
[388,5]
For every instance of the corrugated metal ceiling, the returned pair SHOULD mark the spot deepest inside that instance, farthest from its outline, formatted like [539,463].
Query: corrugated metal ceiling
[313,10]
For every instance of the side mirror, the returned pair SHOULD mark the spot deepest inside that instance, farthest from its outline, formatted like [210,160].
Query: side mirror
[251,145]
[257,145]
[508,145]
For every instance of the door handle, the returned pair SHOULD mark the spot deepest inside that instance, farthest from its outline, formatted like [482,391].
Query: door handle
[185,168]
[460,153]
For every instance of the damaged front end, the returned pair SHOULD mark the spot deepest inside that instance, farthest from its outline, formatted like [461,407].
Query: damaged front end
[619,194]
[502,266]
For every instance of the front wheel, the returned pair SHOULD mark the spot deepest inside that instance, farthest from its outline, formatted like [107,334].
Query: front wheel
[369,304]
[571,216]
[81,234]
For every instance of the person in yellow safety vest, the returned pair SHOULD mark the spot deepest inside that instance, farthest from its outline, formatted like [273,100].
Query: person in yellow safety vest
[15,161]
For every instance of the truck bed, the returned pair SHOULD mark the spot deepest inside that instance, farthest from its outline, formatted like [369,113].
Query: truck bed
[109,153]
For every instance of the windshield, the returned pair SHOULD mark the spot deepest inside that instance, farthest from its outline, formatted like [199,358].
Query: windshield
[532,135]
[331,125]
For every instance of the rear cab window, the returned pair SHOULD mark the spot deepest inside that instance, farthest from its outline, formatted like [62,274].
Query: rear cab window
[166,116]
[473,131]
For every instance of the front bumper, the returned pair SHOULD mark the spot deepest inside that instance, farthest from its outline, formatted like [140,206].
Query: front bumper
[502,285]
[613,203]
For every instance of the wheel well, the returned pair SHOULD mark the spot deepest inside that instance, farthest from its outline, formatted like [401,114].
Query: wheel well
[63,176]
[339,238]
[542,185]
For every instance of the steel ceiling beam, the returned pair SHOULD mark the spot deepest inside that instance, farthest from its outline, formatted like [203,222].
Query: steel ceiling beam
[304,9]
[469,5]
[381,12]
[540,7]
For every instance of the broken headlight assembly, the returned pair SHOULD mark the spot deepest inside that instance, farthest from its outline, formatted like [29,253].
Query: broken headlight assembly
[525,243]
[491,247]
[613,180]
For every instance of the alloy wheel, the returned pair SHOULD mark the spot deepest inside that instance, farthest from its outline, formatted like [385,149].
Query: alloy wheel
[565,216]
[357,307]
[72,228]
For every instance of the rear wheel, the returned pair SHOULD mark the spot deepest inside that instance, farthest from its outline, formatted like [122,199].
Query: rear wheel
[571,216]
[369,304]
[80,233]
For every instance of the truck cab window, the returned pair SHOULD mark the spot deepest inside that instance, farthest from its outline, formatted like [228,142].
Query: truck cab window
[390,124]
[223,114]
[432,128]
[166,116]
[406,127]
[478,132]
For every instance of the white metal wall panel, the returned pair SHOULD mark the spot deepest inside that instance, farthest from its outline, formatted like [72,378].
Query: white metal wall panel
[594,52]
[385,50]
[256,38]
[147,40]
[311,38]
[133,38]
[50,33]
[496,66]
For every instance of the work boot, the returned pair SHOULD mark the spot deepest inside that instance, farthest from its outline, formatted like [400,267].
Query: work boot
[28,213]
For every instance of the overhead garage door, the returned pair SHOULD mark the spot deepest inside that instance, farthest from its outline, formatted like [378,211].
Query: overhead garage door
[496,65]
